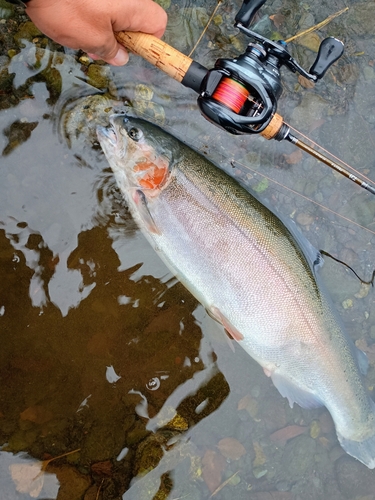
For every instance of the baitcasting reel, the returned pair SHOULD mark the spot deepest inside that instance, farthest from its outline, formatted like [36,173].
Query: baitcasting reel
[241,94]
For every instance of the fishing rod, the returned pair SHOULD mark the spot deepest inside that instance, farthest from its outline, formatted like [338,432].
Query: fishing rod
[240,95]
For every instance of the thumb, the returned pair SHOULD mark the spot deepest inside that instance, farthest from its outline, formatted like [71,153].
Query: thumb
[117,57]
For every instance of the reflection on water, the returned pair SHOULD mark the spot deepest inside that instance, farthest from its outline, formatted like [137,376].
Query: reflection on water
[103,353]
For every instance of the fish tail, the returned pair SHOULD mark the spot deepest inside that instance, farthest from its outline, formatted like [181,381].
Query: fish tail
[364,451]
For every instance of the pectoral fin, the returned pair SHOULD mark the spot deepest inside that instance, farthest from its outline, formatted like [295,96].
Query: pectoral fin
[140,200]
[232,330]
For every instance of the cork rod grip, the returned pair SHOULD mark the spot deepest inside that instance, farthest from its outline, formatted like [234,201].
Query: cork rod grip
[273,127]
[160,54]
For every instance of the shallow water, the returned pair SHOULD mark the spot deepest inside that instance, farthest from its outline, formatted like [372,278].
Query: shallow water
[102,350]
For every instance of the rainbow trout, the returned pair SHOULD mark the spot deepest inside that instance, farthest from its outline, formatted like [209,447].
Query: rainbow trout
[247,269]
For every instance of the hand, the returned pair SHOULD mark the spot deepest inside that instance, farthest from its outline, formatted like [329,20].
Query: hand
[89,24]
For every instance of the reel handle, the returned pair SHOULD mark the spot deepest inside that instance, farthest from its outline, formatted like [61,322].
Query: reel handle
[330,50]
[247,11]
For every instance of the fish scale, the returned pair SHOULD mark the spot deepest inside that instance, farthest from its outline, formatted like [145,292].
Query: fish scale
[248,270]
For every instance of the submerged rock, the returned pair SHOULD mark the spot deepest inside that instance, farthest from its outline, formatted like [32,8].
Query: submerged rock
[298,457]
[360,18]
[354,478]
[6,10]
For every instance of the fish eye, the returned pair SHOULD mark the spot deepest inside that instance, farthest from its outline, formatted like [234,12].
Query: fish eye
[135,134]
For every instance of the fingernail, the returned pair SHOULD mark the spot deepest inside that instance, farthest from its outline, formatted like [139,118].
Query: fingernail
[121,58]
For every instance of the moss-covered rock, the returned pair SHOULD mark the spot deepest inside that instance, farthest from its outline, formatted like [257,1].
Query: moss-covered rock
[27,31]
[98,76]
[6,10]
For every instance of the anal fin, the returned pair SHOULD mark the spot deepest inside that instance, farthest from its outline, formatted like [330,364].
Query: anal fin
[295,394]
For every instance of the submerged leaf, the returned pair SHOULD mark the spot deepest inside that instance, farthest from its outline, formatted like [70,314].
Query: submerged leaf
[28,478]
[231,448]
[249,404]
[261,186]
[37,414]
[305,82]
[294,157]
[311,41]
[289,432]
[212,470]
[278,20]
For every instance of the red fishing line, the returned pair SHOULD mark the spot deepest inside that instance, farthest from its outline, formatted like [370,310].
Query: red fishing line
[231,93]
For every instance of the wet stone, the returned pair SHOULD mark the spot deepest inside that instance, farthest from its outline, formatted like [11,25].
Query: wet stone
[164,3]
[354,478]
[73,484]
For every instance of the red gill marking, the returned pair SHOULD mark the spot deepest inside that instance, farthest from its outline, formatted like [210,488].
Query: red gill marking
[155,172]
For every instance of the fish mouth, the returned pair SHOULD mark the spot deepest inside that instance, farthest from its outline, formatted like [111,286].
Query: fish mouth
[109,133]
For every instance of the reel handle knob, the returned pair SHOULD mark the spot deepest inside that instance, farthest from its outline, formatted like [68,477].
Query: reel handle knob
[247,12]
[329,51]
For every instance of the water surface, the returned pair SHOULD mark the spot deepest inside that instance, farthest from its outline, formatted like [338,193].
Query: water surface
[103,353]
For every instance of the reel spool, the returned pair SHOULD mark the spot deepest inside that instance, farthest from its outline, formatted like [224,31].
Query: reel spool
[232,94]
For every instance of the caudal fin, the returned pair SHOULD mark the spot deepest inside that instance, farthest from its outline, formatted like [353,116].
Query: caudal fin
[364,450]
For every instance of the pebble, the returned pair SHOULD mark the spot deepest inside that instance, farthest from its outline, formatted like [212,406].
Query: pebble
[347,304]
[283,486]
[259,472]
[234,480]
[314,429]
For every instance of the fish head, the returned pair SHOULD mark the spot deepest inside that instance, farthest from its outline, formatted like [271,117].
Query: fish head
[140,153]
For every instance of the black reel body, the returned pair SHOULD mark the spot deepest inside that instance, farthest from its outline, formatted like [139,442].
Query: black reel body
[240,95]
